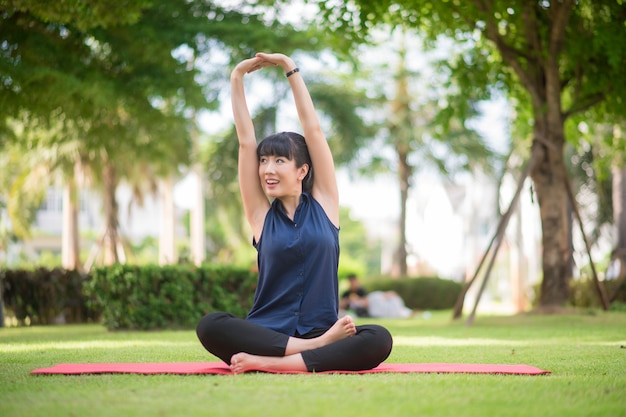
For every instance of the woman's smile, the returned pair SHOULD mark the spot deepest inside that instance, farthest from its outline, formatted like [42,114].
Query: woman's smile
[271,183]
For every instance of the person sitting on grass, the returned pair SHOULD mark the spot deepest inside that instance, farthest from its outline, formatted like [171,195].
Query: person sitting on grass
[354,298]
[291,201]
[376,304]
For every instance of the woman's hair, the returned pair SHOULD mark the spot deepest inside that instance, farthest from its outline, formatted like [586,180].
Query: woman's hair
[292,146]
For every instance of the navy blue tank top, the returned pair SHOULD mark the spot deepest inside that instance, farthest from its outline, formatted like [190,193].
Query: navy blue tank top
[297,289]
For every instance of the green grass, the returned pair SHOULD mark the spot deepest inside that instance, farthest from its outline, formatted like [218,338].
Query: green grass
[585,352]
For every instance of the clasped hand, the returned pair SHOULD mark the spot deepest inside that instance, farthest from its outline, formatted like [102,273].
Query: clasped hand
[262,60]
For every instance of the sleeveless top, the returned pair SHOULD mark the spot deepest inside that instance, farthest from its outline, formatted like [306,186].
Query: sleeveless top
[297,289]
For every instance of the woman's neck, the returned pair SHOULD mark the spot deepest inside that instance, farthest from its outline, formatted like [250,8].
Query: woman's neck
[290,204]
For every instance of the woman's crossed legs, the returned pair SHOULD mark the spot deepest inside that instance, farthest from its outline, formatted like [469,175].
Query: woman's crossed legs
[247,346]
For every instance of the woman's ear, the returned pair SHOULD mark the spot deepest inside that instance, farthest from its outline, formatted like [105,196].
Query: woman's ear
[304,169]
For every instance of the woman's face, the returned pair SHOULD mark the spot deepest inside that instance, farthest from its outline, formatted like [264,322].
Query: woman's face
[280,177]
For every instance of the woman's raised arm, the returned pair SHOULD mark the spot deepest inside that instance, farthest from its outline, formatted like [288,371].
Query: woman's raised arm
[255,203]
[325,183]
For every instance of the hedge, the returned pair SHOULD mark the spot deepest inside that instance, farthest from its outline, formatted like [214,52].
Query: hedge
[177,296]
[45,296]
[128,296]
[423,293]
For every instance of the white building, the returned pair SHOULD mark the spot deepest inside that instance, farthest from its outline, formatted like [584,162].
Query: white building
[136,222]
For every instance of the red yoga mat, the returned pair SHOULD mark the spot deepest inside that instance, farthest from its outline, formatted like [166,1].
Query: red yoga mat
[220,368]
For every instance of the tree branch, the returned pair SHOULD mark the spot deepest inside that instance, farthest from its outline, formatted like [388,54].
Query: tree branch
[560,11]
[529,17]
[510,55]
[584,104]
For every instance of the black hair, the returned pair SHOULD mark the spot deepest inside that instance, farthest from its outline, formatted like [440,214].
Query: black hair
[292,146]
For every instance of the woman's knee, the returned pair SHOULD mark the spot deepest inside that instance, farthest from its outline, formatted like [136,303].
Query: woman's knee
[380,341]
[211,323]
[386,341]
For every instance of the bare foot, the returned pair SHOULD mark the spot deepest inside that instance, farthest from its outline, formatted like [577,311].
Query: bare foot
[242,362]
[343,328]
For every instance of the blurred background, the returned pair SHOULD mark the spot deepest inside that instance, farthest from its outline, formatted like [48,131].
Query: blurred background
[465,137]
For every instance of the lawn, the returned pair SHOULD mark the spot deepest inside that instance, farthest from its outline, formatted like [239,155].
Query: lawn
[586,353]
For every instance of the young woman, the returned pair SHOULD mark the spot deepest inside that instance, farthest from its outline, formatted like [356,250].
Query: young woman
[291,202]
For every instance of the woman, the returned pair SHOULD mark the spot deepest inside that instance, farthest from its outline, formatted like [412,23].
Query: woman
[293,211]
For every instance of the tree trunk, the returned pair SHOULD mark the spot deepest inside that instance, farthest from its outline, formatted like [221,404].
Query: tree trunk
[550,180]
[618,255]
[402,133]
[197,232]
[404,176]
[538,69]
[196,229]
[111,210]
[619,206]
[167,253]
[70,248]
[549,176]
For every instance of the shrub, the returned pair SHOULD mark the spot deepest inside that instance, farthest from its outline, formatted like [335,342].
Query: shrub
[584,293]
[424,293]
[43,296]
[127,296]
[175,296]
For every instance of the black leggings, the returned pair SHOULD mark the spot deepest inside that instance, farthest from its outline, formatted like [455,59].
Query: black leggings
[224,335]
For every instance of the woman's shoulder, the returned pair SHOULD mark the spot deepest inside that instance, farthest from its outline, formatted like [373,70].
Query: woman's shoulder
[314,206]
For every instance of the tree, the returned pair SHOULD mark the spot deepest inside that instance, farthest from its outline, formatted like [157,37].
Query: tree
[67,74]
[561,57]
[358,255]
[414,128]
[602,165]
[608,146]
[119,81]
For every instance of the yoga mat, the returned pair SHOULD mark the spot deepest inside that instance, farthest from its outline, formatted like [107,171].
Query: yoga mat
[220,368]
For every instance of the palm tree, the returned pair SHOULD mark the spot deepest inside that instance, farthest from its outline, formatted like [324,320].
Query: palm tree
[414,127]
[34,162]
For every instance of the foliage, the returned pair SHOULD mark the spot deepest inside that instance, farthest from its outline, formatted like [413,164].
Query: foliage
[125,296]
[20,173]
[593,181]
[417,128]
[584,292]
[83,14]
[424,293]
[82,70]
[41,296]
[174,296]
[601,149]
[342,102]
[85,85]
[558,58]
[358,254]
[591,56]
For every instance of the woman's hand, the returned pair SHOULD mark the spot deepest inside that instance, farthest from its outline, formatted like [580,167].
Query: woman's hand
[284,61]
[247,66]
[262,60]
